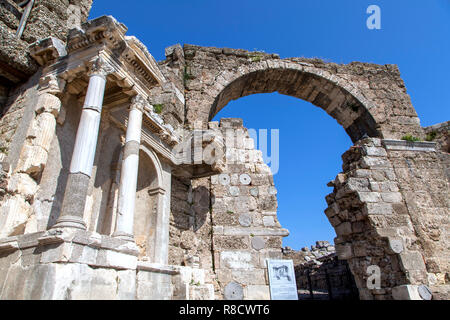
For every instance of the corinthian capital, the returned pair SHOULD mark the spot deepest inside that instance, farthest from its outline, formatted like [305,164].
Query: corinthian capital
[139,102]
[52,84]
[99,67]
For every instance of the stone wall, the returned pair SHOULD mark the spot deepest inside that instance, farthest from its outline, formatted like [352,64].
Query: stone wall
[17,67]
[80,265]
[190,224]
[376,216]
[439,133]
[169,98]
[47,18]
[227,223]
[244,216]
[320,275]
[424,186]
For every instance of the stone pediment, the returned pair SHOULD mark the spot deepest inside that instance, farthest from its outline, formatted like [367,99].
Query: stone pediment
[104,30]
[102,36]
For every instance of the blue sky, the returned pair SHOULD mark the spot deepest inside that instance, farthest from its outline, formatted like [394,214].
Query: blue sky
[414,35]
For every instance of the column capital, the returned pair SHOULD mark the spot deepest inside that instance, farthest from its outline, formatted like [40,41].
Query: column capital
[99,67]
[139,102]
[52,84]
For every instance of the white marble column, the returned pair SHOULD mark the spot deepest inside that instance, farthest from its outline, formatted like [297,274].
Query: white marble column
[129,172]
[84,150]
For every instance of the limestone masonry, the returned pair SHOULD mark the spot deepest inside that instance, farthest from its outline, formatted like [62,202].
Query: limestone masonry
[116,184]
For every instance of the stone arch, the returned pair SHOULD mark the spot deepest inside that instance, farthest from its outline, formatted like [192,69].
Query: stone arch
[344,103]
[156,163]
[147,205]
[359,103]
[365,98]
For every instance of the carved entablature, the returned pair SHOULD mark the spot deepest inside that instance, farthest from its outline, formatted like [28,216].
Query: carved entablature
[142,62]
[101,31]
[155,134]
[105,33]
[47,50]
[134,69]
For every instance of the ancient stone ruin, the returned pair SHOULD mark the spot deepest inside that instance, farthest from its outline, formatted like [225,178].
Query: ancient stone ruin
[320,275]
[116,184]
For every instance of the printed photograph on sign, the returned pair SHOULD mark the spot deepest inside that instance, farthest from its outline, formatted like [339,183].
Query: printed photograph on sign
[282,280]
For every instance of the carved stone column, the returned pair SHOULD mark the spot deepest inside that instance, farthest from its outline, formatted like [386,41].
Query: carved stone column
[84,150]
[129,172]
[160,249]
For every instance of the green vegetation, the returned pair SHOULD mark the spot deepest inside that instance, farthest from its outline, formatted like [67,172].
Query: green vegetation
[158,107]
[187,76]
[255,57]
[410,138]
[192,283]
[431,136]
[230,212]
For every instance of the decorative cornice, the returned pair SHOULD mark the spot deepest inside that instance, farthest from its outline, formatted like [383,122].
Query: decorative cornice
[154,133]
[103,31]
[402,145]
[157,190]
[143,63]
[47,50]
[107,35]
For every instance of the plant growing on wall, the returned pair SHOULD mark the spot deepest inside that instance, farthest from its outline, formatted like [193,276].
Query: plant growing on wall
[410,138]
[431,136]
[158,108]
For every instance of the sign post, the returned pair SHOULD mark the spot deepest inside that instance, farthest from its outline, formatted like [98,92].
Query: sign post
[282,281]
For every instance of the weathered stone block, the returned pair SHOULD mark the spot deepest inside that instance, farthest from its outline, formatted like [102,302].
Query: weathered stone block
[32,160]
[378,208]
[113,259]
[392,197]
[257,292]
[269,221]
[344,229]
[245,219]
[201,292]
[344,251]
[233,291]
[14,215]
[56,253]
[237,260]
[22,183]
[374,163]
[369,196]
[375,151]
[406,292]
[258,243]
[412,260]
[245,277]
[153,286]
[358,184]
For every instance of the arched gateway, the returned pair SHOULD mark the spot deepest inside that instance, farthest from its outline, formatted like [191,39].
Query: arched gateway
[372,208]
[97,202]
